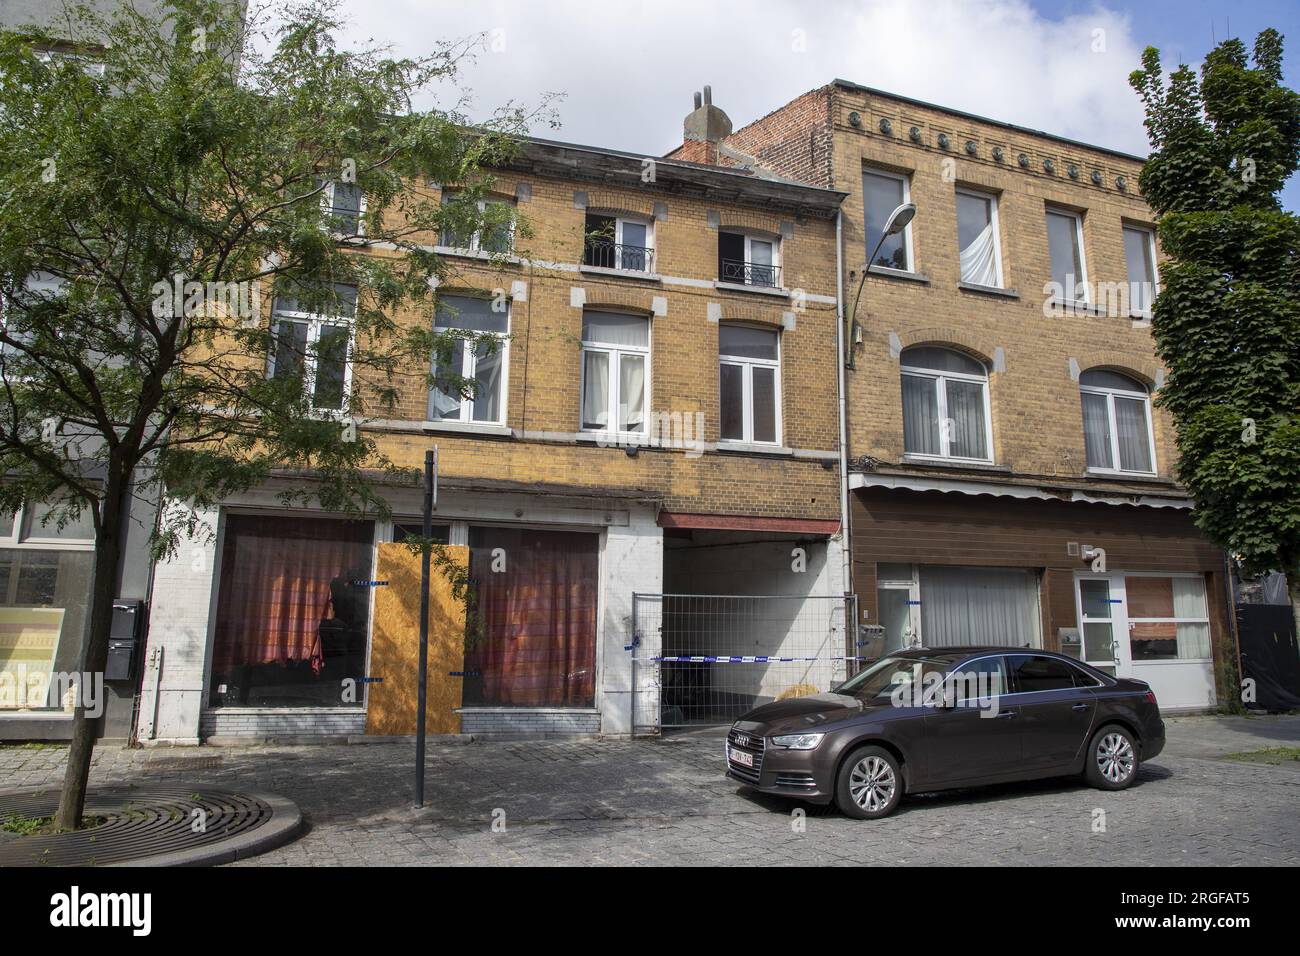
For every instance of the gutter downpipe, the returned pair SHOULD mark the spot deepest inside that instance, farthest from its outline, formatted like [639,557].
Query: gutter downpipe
[846,558]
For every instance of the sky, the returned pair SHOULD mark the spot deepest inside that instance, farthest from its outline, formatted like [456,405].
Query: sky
[627,69]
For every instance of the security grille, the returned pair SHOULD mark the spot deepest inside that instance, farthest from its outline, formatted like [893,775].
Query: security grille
[701,659]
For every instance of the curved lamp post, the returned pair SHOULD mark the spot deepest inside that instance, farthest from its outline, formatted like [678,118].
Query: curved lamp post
[896,223]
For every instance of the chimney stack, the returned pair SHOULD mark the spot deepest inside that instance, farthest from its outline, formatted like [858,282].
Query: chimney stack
[706,123]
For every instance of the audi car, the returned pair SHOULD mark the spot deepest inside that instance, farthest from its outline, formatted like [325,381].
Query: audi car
[923,720]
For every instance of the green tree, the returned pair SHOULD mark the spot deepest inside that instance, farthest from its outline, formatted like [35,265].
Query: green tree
[228,154]
[1227,319]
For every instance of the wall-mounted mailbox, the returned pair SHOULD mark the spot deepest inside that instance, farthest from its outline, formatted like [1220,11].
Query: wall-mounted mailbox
[124,639]
[1068,636]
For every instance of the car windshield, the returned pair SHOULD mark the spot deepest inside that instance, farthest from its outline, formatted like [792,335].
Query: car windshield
[883,677]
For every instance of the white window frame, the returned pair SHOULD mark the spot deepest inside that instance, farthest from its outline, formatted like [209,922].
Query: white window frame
[469,368]
[1110,395]
[997,233]
[1150,235]
[1080,281]
[327,207]
[615,353]
[940,379]
[907,230]
[16,539]
[747,366]
[315,322]
[476,239]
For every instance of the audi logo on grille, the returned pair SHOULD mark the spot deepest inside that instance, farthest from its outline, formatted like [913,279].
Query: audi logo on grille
[742,740]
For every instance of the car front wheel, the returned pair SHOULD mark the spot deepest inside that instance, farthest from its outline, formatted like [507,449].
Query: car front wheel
[1113,761]
[870,784]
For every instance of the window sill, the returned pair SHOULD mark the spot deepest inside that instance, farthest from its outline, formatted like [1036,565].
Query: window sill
[753,448]
[1074,307]
[768,290]
[620,273]
[245,709]
[1126,475]
[471,428]
[888,272]
[981,464]
[988,290]
[526,710]
[458,253]
[613,439]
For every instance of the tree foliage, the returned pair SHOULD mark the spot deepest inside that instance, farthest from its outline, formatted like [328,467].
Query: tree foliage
[205,149]
[1227,319]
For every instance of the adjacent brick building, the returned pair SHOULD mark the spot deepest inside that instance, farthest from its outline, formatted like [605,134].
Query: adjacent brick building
[1012,481]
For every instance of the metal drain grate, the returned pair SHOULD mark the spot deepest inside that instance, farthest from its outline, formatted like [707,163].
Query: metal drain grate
[138,824]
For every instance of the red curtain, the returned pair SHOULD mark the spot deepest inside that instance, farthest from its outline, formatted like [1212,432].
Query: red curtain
[275,586]
[534,644]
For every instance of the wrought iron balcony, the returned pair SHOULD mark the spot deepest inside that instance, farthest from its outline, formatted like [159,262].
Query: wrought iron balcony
[614,255]
[751,273]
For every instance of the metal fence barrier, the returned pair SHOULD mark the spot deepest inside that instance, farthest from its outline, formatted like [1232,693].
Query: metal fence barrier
[701,659]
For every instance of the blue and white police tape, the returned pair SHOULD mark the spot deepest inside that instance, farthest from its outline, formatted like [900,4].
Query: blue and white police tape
[748,659]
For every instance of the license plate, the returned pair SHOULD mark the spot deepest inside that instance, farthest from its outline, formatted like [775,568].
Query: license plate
[740,757]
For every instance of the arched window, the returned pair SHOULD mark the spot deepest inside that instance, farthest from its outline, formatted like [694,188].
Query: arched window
[945,405]
[1116,423]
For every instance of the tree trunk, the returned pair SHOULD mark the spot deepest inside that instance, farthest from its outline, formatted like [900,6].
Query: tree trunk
[94,655]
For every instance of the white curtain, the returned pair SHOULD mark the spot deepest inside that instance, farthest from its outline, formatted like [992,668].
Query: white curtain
[979,259]
[631,392]
[920,416]
[996,606]
[1189,601]
[1096,430]
[1131,424]
[595,396]
[966,409]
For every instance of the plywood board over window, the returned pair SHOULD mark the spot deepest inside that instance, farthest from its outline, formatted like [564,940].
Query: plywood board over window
[395,645]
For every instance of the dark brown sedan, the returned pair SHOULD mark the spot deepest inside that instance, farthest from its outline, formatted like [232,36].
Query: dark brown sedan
[923,720]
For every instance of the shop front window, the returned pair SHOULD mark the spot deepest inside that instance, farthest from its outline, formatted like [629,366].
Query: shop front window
[293,612]
[531,631]
[45,576]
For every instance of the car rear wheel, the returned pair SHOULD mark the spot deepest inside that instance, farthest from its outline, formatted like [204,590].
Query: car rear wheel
[1112,762]
[870,784]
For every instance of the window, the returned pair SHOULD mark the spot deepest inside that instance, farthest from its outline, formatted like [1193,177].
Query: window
[748,260]
[945,405]
[498,229]
[979,679]
[405,530]
[344,205]
[615,371]
[45,577]
[292,612]
[1116,423]
[978,245]
[973,605]
[1140,254]
[612,242]
[474,356]
[750,384]
[315,347]
[1065,246]
[882,193]
[1168,618]
[1032,674]
[533,620]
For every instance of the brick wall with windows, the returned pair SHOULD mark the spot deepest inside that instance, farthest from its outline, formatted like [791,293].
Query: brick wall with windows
[538,437]
[988,303]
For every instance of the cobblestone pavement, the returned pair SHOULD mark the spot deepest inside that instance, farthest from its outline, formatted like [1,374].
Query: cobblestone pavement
[667,803]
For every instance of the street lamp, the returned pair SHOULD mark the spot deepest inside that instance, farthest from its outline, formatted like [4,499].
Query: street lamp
[896,223]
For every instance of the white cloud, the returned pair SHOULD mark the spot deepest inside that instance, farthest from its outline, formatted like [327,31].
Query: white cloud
[629,69]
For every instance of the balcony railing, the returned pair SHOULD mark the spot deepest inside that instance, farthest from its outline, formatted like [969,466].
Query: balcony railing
[751,273]
[615,255]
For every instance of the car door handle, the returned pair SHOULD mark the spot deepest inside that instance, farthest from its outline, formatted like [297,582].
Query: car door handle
[1079,707]
[1007,713]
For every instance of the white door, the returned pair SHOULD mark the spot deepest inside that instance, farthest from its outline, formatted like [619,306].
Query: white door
[1103,623]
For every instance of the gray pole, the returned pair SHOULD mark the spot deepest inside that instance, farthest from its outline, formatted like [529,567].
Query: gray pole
[430,460]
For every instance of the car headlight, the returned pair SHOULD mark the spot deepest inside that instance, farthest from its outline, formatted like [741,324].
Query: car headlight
[798,741]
